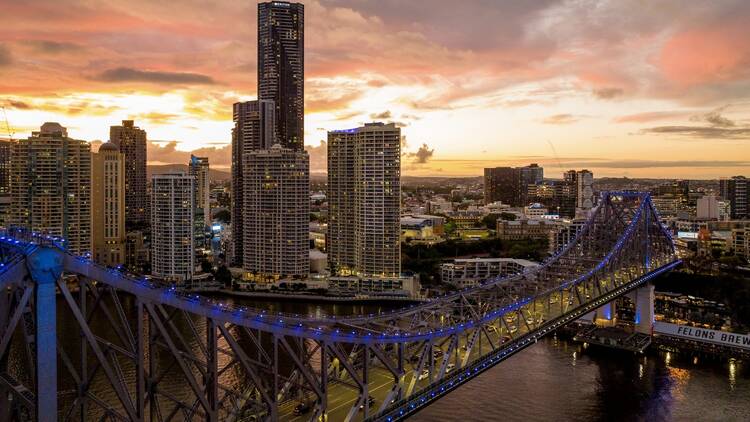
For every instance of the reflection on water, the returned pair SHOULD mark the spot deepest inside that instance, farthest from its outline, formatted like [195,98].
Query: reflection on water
[551,380]
[547,382]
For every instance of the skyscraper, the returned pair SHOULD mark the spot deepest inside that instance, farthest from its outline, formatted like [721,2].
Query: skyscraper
[281,67]
[172,243]
[108,205]
[199,169]
[276,213]
[581,185]
[364,196]
[502,184]
[735,190]
[6,149]
[254,123]
[530,175]
[131,140]
[51,186]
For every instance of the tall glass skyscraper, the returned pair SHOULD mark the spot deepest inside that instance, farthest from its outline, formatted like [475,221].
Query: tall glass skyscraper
[131,140]
[281,68]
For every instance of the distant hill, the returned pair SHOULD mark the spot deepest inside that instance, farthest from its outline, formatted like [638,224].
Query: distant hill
[219,175]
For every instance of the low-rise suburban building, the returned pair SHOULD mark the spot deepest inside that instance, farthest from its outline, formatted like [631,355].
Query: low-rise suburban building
[469,272]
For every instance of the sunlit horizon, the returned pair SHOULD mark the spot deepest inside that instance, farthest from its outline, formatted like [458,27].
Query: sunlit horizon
[664,94]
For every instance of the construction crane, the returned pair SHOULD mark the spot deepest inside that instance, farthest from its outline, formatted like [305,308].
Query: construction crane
[7,125]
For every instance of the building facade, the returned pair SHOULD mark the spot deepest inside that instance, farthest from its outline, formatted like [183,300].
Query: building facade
[254,126]
[172,247]
[525,229]
[470,272]
[364,197]
[108,205]
[281,68]
[735,190]
[502,184]
[276,214]
[131,141]
[199,169]
[51,186]
[6,150]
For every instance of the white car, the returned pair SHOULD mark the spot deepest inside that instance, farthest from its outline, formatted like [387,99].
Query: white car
[424,375]
[449,368]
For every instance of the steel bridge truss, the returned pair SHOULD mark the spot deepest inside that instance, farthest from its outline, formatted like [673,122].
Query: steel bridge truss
[138,351]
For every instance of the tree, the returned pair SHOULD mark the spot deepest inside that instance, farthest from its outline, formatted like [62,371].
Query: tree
[490,221]
[224,216]
[206,266]
[508,216]
[223,276]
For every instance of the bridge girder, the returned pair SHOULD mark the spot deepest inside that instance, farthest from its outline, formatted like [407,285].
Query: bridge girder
[139,338]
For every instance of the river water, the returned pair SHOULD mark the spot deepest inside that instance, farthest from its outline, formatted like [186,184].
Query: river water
[558,380]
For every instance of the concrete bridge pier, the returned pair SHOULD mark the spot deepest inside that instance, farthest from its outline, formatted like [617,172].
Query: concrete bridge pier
[606,315]
[643,298]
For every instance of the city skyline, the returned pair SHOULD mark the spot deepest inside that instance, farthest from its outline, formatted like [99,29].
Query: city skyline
[663,94]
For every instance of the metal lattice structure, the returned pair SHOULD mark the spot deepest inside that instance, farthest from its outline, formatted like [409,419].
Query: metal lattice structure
[130,336]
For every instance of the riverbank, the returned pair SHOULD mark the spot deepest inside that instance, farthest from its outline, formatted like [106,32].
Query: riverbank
[300,297]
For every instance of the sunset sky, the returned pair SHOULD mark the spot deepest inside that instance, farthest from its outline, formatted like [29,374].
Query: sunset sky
[624,88]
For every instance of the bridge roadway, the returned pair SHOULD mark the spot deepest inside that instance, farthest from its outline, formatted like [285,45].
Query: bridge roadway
[451,339]
[509,337]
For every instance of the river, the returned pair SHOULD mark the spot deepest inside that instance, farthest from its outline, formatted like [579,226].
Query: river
[558,380]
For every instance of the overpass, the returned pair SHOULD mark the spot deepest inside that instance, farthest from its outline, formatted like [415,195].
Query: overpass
[238,363]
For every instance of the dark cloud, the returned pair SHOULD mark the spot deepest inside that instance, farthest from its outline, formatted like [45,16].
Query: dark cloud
[18,105]
[318,157]
[5,57]
[52,47]
[702,132]
[650,116]
[379,116]
[641,164]
[423,154]
[167,153]
[127,74]
[608,93]
[561,119]
[714,118]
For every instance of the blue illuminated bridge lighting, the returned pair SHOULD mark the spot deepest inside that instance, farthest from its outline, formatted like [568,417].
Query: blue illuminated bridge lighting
[404,358]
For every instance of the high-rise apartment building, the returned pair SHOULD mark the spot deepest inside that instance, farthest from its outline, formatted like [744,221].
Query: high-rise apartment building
[582,184]
[131,140]
[172,243]
[735,190]
[108,205]
[530,176]
[502,184]
[364,197]
[6,149]
[199,169]
[254,123]
[51,186]
[276,226]
[281,67]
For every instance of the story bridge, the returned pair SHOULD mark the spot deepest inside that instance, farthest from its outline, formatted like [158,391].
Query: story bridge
[235,363]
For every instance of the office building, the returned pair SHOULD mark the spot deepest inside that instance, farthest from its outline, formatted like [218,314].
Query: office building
[172,247]
[469,272]
[253,130]
[108,205]
[530,176]
[199,169]
[708,208]
[281,67]
[532,229]
[582,187]
[51,186]
[502,184]
[735,190]
[131,141]
[6,149]
[364,197]
[276,214]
